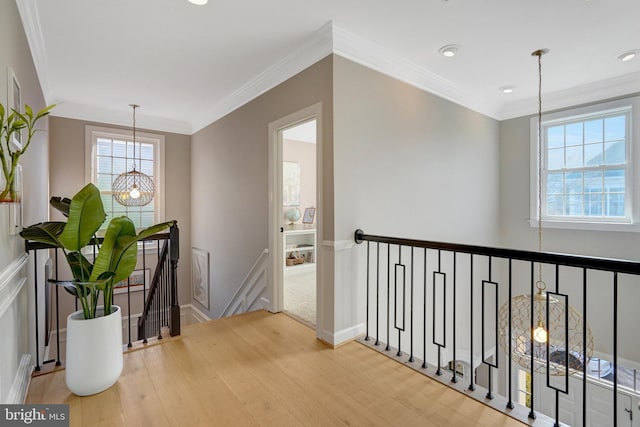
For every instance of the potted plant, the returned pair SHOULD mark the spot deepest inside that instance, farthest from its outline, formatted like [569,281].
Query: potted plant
[94,334]
[10,124]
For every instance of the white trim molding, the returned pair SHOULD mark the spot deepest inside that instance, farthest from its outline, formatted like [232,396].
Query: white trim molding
[339,245]
[18,392]
[344,335]
[31,23]
[9,288]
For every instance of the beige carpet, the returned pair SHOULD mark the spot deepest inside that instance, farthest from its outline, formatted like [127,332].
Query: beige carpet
[300,295]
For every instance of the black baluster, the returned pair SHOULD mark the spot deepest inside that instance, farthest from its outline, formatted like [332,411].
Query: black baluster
[472,385]
[532,413]
[424,313]
[366,337]
[35,277]
[58,361]
[395,297]
[377,293]
[510,400]
[615,349]
[144,290]
[584,346]
[454,379]
[388,296]
[411,359]
[129,345]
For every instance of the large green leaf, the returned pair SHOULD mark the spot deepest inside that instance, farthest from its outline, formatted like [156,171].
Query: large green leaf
[86,215]
[111,251]
[45,232]
[61,204]
[80,266]
[119,252]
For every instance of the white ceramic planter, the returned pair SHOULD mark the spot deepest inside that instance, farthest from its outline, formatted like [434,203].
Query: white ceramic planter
[94,351]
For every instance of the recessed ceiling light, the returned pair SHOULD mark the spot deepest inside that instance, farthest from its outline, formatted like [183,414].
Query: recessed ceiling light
[506,89]
[449,50]
[627,56]
[199,2]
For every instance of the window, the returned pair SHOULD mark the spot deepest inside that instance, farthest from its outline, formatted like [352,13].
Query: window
[524,388]
[587,167]
[109,152]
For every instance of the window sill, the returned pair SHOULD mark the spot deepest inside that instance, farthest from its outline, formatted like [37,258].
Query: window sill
[587,226]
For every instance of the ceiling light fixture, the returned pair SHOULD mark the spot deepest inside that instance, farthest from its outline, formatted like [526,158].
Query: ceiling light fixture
[541,331]
[506,89]
[199,2]
[627,56]
[133,188]
[449,50]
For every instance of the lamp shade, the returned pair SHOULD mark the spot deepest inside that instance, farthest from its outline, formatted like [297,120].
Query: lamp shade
[133,188]
[563,326]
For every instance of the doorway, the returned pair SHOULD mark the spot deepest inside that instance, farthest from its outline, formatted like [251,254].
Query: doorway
[298,220]
[296,215]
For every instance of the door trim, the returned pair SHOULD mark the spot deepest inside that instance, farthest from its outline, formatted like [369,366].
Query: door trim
[276,127]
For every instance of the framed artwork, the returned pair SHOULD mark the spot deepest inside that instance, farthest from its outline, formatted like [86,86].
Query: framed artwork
[291,184]
[200,276]
[309,215]
[138,280]
[14,102]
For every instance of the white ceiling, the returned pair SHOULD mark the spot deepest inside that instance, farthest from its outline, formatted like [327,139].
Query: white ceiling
[189,65]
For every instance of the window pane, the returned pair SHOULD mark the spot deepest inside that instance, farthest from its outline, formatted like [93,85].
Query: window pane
[574,157]
[614,128]
[104,165]
[119,149]
[573,182]
[614,153]
[104,182]
[146,219]
[614,204]
[104,147]
[555,204]
[573,134]
[120,166]
[107,202]
[574,205]
[614,181]
[593,204]
[146,166]
[555,137]
[593,131]
[555,159]
[146,151]
[593,182]
[593,154]
[555,183]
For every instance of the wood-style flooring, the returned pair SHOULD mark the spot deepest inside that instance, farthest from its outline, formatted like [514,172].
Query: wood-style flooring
[265,369]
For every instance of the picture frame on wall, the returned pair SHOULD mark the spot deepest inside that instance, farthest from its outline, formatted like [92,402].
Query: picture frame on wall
[137,280]
[309,215]
[200,276]
[14,101]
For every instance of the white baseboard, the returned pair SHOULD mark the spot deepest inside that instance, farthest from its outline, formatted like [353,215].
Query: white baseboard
[193,313]
[18,392]
[344,335]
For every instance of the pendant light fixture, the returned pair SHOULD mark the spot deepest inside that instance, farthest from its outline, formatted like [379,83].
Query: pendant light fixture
[556,329]
[133,188]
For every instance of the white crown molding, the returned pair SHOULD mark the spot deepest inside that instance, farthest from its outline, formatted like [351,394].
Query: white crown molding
[578,95]
[28,10]
[122,118]
[318,46]
[386,61]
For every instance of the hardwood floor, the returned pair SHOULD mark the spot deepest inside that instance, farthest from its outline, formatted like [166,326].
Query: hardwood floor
[265,369]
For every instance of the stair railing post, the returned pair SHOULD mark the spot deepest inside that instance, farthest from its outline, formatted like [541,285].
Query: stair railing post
[174,255]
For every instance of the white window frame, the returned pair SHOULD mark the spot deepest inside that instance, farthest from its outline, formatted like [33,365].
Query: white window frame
[631,221]
[92,133]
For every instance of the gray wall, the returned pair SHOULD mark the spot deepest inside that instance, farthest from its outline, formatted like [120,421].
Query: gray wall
[408,164]
[68,176]
[411,164]
[229,178]
[16,323]
[516,233]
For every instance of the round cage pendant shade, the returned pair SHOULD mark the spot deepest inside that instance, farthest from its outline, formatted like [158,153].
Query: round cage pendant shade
[549,334]
[133,188]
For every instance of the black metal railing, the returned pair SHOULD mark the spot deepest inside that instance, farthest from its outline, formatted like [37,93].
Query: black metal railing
[161,307]
[440,285]
[160,296]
